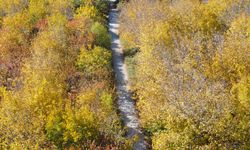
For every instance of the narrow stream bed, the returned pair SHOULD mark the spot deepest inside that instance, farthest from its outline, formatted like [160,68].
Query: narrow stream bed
[125,103]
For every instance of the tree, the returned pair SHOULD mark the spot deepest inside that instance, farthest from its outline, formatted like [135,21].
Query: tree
[191,73]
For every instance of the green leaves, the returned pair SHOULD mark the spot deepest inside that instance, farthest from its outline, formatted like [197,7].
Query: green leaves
[102,38]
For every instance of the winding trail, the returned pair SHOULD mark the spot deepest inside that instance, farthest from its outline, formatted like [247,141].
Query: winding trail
[125,103]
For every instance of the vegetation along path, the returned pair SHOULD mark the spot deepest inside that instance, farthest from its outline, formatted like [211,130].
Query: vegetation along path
[125,103]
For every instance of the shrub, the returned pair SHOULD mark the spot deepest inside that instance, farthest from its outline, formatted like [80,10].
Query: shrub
[93,61]
[101,35]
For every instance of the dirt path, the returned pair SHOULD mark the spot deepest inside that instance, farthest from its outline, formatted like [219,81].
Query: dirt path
[125,103]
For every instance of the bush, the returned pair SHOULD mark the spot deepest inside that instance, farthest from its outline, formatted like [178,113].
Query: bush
[95,60]
[101,35]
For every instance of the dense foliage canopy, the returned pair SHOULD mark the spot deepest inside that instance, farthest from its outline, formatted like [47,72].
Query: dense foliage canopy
[191,72]
[56,82]
[188,61]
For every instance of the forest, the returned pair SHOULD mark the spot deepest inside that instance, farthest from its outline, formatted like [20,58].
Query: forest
[188,63]
[56,80]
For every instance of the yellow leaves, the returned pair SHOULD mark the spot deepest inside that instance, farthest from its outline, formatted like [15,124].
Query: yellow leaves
[133,14]
[43,96]
[218,6]
[19,21]
[87,12]
[208,17]
[16,120]
[38,114]
[88,97]
[79,125]
[242,91]
[92,61]
[83,2]
[13,6]
[3,93]
[37,9]
[96,99]
[128,40]
[7,101]
[185,69]
[240,27]
[14,37]
[236,53]
[207,20]
[165,140]
[163,33]
[9,42]
[155,32]
[57,21]
[15,30]
[107,101]
[63,7]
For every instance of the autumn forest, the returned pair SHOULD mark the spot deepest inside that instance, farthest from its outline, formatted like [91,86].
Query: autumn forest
[123,75]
